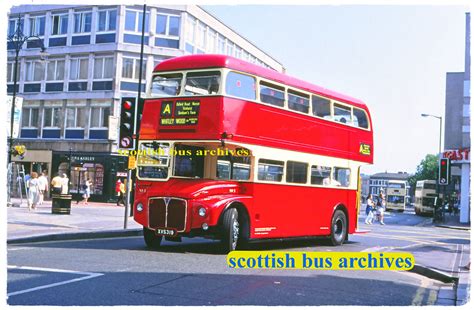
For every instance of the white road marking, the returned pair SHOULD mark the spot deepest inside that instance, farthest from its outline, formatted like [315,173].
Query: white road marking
[87,275]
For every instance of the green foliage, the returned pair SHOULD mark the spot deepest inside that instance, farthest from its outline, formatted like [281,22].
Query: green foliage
[426,170]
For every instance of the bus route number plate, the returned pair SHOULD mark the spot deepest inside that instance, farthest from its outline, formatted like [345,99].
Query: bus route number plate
[166,232]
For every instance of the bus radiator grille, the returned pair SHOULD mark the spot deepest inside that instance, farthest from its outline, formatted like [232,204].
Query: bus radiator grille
[172,215]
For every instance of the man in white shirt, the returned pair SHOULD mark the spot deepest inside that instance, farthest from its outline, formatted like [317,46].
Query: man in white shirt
[43,186]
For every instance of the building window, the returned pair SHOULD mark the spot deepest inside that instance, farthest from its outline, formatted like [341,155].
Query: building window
[82,22]
[99,117]
[79,69]
[230,48]
[37,24]
[51,117]
[134,21]
[107,20]
[190,29]
[30,118]
[34,70]
[10,71]
[13,24]
[55,70]
[167,25]
[201,36]
[103,67]
[131,68]
[221,45]
[75,117]
[211,41]
[59,24]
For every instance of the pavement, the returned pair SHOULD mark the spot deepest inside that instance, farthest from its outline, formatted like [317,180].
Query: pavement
[95,220]
[105,220]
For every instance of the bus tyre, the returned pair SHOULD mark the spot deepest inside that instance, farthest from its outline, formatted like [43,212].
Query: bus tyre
[152,241]
[230,230]
[338,228]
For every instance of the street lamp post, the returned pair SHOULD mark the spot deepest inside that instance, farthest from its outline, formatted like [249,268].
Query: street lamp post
[16,40]
[439,147]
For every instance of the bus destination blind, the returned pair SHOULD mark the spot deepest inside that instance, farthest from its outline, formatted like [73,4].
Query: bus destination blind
[186,112]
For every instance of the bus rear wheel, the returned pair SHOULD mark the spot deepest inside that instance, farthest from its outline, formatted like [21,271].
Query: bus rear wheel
[230,230]
[338,228]
[152,241]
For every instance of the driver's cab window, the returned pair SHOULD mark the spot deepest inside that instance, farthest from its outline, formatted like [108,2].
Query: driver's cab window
[188,161]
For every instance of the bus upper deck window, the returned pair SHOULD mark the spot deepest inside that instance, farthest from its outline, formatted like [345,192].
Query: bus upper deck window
[298,102]
[240,85]
[321,107]
[202,83]
[342,114]
[272,94]
[166,85]
[360,118]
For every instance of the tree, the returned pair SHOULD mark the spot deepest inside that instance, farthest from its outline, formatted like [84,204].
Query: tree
[426,170]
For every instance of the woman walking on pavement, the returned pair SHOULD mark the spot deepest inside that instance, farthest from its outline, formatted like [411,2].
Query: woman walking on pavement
[369,210]
[381,206]
[33,191]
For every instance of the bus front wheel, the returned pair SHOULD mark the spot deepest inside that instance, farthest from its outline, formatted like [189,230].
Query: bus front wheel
[338,228]
[230,230]
[152,241]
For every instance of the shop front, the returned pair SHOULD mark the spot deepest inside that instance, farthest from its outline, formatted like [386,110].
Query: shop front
[460,180]
[103,170]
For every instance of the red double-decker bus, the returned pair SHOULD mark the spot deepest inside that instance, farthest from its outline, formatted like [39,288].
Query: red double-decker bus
[238,152]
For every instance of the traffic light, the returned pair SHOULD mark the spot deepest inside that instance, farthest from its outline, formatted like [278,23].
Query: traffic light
[444,171]
[127,123]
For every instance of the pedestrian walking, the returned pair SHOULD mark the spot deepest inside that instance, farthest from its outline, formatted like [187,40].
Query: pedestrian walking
[33,191]
[56,184]
[43,186]
[87,190]
[369,210]
[64,184]
[120,190]
[381,207]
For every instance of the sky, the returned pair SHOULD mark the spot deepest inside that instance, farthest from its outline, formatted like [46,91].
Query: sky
[394,58]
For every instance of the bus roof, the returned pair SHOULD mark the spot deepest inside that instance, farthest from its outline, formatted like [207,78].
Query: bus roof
[223,61]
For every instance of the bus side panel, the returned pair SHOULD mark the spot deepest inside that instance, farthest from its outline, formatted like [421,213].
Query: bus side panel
[294,131]
[295,211]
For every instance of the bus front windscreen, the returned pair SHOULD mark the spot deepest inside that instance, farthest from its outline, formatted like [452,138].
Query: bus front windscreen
[166,85]
[153,160]
[395,199]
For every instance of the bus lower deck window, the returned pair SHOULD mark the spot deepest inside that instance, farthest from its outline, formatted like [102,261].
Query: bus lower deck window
[270,170]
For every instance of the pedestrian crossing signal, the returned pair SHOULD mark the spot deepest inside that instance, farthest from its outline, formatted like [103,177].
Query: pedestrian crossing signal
[127,123]
[444,171]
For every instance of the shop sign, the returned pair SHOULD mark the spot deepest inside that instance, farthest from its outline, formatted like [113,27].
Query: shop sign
[460,156]
[83,158]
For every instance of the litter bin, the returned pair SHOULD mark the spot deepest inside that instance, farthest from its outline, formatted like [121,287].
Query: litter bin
[61,204]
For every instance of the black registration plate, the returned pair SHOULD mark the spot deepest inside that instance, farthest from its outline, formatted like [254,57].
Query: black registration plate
[166,232]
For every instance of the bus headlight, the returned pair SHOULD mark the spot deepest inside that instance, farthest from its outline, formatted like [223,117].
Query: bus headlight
[139,207]
[202,212]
